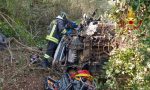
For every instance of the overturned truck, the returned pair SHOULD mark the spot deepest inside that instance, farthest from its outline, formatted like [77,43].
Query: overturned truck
[89,46]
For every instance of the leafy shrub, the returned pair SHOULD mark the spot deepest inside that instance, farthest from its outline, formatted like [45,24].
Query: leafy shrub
[125,69]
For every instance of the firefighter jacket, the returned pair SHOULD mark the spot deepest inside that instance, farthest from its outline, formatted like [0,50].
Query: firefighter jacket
[56,29]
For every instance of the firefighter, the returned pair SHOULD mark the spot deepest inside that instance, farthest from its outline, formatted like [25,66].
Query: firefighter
[57,29]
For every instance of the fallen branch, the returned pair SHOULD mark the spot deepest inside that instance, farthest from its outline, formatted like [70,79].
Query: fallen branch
[23,45]
[10,52]
[25,48]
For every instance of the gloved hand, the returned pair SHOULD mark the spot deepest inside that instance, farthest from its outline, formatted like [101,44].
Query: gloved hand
[74,25]
[71,25]
[69,31]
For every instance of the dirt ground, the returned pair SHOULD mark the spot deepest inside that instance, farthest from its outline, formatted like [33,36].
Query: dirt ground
[15,73]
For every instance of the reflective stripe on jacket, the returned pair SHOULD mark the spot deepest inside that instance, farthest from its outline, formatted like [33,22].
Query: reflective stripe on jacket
[57,29]
[52,31]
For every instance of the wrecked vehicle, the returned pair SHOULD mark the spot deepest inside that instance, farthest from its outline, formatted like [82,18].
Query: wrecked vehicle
[90,45]
[73,79]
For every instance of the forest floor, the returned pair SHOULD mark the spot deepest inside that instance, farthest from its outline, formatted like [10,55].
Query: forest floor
[15,73]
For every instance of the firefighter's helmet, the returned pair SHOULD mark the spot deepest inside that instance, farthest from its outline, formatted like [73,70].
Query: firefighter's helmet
[63,15]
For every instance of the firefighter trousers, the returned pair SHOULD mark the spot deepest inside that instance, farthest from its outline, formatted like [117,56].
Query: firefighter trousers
[51,48]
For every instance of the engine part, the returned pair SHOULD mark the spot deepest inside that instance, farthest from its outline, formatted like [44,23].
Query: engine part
[76,43]
[72,56]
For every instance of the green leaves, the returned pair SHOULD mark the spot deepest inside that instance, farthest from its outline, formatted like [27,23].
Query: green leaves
[126,62]
[135,4]
[6,30]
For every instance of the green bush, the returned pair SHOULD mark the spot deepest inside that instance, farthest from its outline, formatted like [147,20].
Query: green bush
[6,30]
[125,69]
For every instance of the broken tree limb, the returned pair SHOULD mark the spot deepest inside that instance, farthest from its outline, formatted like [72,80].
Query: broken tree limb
[23,46]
